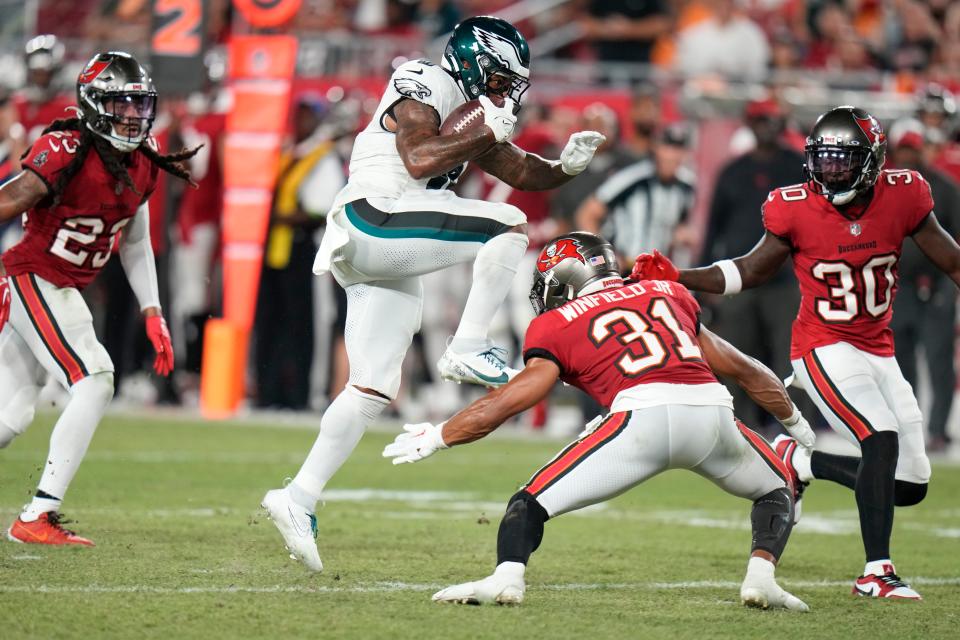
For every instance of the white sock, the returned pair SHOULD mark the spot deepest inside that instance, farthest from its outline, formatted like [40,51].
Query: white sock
[512,571]
[760,568]
[493,271]
[302,497]
[39,506]
[878,567]
[341,428]
[801,462]
[468,345]
[70,438]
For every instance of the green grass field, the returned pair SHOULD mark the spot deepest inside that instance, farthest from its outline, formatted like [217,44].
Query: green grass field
[182,550]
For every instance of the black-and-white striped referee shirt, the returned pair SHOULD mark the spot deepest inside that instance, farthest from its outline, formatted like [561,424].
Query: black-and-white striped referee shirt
[643,211]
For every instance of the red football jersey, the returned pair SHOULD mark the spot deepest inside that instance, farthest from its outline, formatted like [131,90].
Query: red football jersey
[36,116]
[847,266]
[158,199]
[616,339]
[203,205]
[69,243]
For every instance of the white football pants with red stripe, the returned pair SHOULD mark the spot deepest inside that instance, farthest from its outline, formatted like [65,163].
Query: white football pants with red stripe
[860,393]
[50,331]
[632,446]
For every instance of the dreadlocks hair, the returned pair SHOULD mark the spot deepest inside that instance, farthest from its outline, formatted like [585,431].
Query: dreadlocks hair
[113,161]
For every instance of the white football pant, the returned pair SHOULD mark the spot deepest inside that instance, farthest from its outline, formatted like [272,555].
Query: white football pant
[630,447]
[860,393]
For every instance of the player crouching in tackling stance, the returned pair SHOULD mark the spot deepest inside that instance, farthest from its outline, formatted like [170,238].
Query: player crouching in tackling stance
[639,349]
[84,180]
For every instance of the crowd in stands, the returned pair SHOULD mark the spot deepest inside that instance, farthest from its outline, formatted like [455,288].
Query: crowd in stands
[745,38]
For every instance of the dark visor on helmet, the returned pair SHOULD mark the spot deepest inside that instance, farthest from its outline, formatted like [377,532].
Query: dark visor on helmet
[837,168]
[130,105]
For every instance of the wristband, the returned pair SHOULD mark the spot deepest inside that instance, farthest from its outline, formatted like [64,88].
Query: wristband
[732,282]
[438,437]
[793,419]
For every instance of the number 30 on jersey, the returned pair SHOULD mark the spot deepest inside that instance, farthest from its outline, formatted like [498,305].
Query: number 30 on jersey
[852,291]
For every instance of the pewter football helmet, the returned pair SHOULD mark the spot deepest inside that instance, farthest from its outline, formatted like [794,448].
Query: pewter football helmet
[568,265]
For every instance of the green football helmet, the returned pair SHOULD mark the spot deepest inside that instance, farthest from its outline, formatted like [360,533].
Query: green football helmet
[484,46]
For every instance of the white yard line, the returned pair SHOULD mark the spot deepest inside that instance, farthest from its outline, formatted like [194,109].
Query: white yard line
[400,587]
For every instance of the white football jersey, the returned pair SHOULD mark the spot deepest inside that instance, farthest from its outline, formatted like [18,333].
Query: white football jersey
[376,169]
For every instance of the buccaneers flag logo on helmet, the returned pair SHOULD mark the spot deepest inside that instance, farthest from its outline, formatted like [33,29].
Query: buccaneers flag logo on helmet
[557,252]
[90,74]
[871,128]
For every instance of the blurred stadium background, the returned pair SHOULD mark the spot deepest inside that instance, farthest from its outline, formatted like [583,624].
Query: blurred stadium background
[705,103]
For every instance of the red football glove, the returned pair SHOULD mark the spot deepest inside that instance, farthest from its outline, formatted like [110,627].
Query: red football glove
[160,338]
[4,301]
[655,266]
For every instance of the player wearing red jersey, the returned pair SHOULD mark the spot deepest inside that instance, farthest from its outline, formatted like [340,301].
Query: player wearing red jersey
[639,349]
[42,99]
[198,224]
[844,229]
[83,182]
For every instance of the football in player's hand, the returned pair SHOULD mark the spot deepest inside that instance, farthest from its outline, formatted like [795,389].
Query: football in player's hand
[466,117]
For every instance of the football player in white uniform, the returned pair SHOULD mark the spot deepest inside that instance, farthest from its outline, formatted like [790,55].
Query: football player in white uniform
[394,221]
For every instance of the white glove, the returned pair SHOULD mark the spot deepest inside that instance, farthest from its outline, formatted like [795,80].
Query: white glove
[799,428]
[579,151]
[500,120]
[418,441]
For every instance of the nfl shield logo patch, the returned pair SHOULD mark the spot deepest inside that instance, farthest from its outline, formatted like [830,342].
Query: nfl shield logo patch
[855,229]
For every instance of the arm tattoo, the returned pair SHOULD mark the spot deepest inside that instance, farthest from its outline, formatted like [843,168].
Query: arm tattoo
[521,169]
[424,151]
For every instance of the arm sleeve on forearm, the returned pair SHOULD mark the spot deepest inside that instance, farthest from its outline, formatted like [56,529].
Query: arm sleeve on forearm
[136,256]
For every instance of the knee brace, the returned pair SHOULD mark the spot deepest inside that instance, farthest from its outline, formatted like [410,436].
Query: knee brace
[521,529]
[907,494]
[772,521]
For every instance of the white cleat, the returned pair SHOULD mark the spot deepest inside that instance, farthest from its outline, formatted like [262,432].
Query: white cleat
[297,526]
[486,367]
[765,593]
[492,589]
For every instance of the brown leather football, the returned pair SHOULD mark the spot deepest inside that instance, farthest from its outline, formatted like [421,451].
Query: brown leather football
[464,118]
